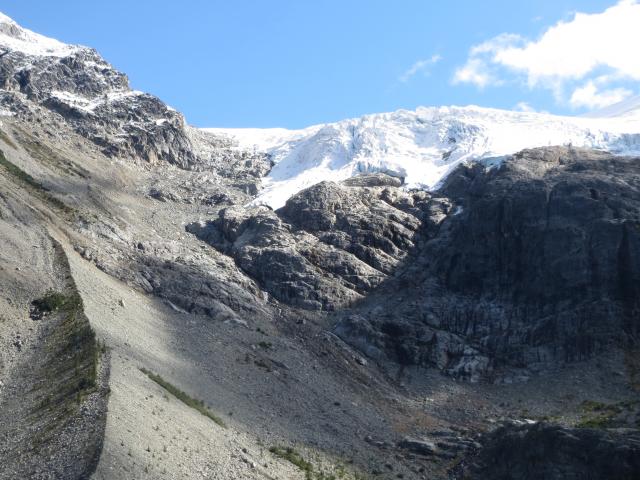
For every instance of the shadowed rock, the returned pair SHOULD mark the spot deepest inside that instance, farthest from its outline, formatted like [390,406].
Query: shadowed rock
[538,264]
[553,452]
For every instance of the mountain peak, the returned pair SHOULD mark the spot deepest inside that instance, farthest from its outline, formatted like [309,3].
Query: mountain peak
[14,38]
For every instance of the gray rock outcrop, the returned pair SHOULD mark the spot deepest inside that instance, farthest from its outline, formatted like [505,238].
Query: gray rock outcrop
[96,101]
[553,452]
[526,266]
[539,264]
[327,247]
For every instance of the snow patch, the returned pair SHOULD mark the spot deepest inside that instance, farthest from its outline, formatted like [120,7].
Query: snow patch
[261,139]
[15,38]
[90,104]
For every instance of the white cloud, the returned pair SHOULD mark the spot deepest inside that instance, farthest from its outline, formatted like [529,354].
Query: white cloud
[590,96]
[474,71]
[566,57]
[419,66]
[523,107]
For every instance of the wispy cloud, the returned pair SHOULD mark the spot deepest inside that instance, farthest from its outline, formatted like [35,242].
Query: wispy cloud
[589,95]
[570,56]
[420,66]
[523,107]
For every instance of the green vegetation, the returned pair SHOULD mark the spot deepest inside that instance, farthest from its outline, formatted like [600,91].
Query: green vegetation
[184,397]
[18,173]
[54,301]
[602,421]
[597,414]
[293,457]
[592,406]
[310,472]
[73,344]
[31,182]
[71,366]
[603,415]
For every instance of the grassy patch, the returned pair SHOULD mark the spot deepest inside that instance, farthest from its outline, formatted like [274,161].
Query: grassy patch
[592,406]
[73,345]
[184,397]
[18,173]
[604,415]
[22,176]
[292,456]
[310,472]
[601,421]
[72,362]
[597,414]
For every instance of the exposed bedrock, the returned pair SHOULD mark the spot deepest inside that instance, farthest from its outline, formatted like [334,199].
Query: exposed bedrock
[553,452]
[539,264]
[328,246]
[95,99]
[524,266]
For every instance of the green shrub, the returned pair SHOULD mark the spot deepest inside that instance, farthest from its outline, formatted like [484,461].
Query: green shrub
[293,457]
[54,301]
[18,173]
[184,397]
[23,176]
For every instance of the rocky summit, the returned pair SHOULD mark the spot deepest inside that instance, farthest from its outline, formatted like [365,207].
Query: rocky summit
[177,304]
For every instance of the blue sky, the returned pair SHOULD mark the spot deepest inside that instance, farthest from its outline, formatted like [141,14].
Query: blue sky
[284,63]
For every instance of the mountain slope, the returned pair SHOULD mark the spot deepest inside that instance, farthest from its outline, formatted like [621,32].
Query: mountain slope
[364,330]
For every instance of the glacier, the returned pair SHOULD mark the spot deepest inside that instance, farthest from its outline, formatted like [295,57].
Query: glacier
[424,145]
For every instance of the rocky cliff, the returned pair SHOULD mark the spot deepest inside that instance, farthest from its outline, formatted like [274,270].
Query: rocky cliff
[538,265]
[524,266]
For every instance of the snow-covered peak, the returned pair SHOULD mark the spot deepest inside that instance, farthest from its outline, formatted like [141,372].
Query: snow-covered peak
[262,139]
[13,37]
[422,146]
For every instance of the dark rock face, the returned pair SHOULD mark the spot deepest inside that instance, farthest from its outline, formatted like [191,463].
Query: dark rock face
[95,99]
[551,226]
[327,247]
[552,452]
[538,264]
[83,72]
[519,268]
